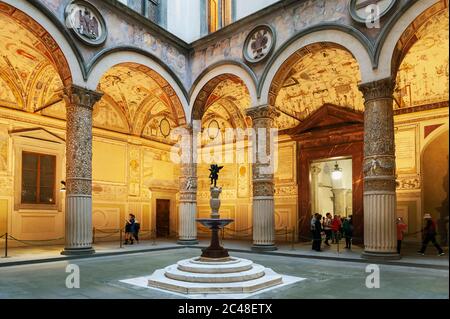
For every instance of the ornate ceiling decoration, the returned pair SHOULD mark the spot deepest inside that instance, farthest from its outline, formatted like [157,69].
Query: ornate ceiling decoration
[423,75]
[319,75]
[225,107]
[33,70]
[139,101]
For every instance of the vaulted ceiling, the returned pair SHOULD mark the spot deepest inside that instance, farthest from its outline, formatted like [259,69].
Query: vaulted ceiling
[29,65]
[137,100]
[225,107]
[423,76]
[322,74]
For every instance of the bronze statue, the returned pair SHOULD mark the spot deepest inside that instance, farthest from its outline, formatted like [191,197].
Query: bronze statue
[214,175]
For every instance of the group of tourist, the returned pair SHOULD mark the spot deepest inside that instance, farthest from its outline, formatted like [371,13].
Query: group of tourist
[132,227]
[332,228]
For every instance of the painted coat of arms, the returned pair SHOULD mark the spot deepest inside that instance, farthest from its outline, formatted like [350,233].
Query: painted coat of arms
[86,22]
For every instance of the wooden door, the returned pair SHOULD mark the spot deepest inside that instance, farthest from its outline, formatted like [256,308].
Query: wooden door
[162,217]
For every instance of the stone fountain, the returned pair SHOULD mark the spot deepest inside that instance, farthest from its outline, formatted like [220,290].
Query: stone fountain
[215,271]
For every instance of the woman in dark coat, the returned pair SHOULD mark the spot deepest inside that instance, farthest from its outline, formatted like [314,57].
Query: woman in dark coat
[317,233]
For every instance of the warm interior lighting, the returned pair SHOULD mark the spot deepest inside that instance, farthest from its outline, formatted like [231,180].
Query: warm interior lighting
[337,172]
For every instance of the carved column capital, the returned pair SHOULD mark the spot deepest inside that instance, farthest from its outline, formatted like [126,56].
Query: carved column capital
[262,112]
[83,97]
[379,89]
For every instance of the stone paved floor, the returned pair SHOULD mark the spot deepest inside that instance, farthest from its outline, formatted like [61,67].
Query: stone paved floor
[325,278]
[41,253]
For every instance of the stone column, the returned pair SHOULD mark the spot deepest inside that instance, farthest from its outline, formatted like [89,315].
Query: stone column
[263,186]
[315,171]
[187,229]
[380,238]
[78,215]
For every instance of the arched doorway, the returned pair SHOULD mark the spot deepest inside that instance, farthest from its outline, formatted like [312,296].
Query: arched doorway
[316,92]
[435,182]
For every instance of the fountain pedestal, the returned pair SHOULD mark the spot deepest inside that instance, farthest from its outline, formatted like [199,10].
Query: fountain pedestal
[214,250]
[215,223]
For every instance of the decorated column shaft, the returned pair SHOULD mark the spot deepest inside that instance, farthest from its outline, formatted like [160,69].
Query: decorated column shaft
[187,229]
[263,173]
[78,215]
[380,238]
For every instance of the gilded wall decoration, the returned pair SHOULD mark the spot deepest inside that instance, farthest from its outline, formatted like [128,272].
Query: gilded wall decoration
[423,76]
[408,182]
[134,170]
[6,186]
[3,153]
[106,116]
[107,192]
[321,75]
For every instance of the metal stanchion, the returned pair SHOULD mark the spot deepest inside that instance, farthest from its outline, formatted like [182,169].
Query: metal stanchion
[286,234]
[337,241]
[6,245]
[293,238]
[93,235]
[120,238]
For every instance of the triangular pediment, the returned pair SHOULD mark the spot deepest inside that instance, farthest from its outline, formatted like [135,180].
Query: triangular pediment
[38,133]
[329,116]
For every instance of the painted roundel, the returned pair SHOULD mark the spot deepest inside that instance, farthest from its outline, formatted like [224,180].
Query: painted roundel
[213,129]
[366,11]
[85,22]
[164,127]
[259,43]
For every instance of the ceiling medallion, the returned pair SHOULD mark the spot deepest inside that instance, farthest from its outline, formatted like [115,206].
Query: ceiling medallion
[86,22]
[213,129]
[366,11]
[259,43]
[164,127]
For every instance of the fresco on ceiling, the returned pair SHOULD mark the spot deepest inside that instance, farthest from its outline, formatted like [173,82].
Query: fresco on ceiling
[29,79]
[423,74]
[139,101]
[225,108]
[328,75]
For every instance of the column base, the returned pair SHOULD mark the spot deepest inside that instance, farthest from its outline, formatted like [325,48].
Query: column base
[380,256]
[256,247]
[187,242]
[78,251]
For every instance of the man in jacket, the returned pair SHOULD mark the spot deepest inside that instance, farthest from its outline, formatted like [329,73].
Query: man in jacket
[429,234]
[327,228]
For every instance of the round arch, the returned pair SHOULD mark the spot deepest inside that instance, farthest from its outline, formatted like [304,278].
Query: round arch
[205,84]
[348,41]
[105,61]
[388,59]
[65,55]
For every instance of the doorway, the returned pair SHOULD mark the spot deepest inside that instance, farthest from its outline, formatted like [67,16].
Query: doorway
[162,218]
[331,186]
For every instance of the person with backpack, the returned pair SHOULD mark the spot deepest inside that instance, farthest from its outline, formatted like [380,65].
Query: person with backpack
[429,234]
[347,227]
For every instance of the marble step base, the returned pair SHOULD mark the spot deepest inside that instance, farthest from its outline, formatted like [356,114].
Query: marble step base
[159,280]
[200,276]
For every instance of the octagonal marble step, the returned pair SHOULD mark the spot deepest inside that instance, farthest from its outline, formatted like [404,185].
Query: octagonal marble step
[159,280]
[197,275]
[197,265]
[256,271]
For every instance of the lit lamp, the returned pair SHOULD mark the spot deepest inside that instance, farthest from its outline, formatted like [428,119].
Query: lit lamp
[337,172]
[63,187]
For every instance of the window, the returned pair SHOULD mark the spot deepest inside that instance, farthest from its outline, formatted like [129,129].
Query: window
[38,178]
[219,14]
